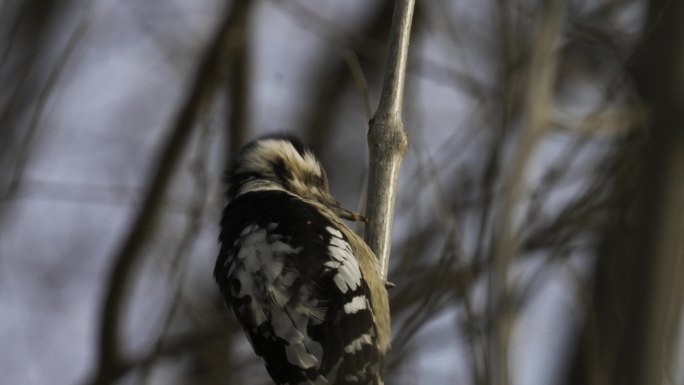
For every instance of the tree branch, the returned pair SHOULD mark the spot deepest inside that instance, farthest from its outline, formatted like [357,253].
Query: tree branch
[387,140]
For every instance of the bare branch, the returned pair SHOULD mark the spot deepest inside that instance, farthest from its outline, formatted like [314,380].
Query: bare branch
[386,138]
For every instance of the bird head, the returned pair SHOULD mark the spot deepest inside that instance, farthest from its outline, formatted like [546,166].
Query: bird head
[282,162]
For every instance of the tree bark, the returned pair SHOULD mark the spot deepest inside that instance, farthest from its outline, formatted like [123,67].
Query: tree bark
[387,140]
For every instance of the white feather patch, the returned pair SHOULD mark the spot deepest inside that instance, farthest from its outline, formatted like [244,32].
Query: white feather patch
[262,253]
[301,350]
[356,345]
[357,303]
[348,273]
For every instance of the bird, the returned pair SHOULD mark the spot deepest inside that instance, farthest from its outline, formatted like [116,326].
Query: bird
[306,289]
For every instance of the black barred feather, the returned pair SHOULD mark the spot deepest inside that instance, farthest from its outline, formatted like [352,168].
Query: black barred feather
[336,345]
[306,289]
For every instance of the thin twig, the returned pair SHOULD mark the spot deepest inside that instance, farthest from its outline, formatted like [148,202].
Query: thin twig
[387,140]
[360,82]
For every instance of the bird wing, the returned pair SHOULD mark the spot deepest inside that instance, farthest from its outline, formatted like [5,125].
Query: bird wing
[295,285]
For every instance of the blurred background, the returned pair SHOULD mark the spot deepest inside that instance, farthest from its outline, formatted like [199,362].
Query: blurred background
[538,228]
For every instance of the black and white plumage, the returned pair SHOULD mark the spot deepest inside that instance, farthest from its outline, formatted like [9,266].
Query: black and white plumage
[305,288]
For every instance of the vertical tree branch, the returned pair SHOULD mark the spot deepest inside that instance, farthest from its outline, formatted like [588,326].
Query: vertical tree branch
[387,140]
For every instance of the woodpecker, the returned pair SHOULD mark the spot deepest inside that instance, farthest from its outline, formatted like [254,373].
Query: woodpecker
[306,289]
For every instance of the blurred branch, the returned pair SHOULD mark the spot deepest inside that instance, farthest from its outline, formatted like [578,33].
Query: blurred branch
[41,100]
[369,46]
[238,78]
[82,193]
[360,82]
[329,30]
[208,72]
[541,79]
[332,80]
[654,313]
[33,189]
[386,138]
[637,286]
[179,258]
[453,254]
[172,347]
[26,39]
[600,348]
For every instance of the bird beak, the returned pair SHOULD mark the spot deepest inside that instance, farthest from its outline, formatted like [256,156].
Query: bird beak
[348,214]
